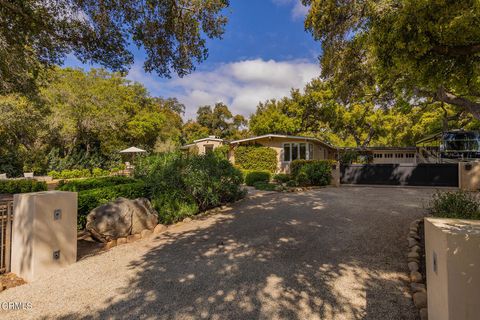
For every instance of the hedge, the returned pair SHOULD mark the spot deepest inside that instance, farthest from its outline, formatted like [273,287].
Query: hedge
[90,199]
[21,186]
[252,177]
[312,172]
[93,183]
[256,158]
[79,173]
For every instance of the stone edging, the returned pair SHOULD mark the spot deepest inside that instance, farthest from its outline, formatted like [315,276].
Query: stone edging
[417,282]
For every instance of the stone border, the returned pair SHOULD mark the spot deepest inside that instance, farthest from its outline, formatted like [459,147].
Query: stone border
[417,282]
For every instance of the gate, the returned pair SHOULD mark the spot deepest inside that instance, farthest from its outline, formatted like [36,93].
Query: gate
[6,217]
[425,174]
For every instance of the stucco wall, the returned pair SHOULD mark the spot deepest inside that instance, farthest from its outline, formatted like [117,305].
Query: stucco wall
[320,152]
[201,145]
[452,249]
[469,176]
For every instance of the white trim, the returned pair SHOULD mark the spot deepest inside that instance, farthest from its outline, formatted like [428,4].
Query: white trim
[282,136]
[308,156]
[209,139]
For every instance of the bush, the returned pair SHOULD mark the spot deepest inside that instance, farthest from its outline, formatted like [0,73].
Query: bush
[93,183]
[21,186]
[183,185]
[312,172]
[282,178]
[456,204]
[265,186]
[256,158]
[252,177]
[90,199]
[78,173]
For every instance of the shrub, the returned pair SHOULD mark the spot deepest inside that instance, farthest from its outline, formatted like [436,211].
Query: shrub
[312,172]
[291,183]
[93,183]
[255,176]
[183,185]
[78,173]
[90,199]
[21,186]
[265,186]
[282,178]
[256,158]
[456,204]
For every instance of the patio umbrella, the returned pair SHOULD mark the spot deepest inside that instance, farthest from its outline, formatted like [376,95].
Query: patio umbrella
[132,151]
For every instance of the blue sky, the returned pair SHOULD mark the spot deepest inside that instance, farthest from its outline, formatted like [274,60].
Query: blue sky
[263,54]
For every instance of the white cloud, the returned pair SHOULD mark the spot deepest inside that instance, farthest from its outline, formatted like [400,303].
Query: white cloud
[241,85]
[299,11]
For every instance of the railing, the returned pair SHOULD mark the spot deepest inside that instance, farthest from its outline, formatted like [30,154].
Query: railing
[6,217]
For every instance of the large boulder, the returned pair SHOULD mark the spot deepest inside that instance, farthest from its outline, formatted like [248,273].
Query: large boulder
[121,218]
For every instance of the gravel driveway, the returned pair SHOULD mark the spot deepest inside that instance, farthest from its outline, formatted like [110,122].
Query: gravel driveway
[332,253]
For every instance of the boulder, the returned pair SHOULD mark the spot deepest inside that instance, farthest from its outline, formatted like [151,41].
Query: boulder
[121,218]
[420,299]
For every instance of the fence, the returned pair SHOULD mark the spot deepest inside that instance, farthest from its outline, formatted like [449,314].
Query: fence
[6,217]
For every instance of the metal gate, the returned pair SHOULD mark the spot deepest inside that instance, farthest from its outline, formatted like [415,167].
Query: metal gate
[425,174]
[6,217]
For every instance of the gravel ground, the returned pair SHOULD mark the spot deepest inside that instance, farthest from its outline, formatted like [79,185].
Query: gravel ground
[332,253]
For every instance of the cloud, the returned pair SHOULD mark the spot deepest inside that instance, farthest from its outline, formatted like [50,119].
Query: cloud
[241,85]
[299,11]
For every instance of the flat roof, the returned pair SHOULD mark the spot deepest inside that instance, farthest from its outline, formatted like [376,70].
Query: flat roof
[282,136]
[209,138]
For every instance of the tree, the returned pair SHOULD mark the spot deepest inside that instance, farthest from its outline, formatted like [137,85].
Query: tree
[424,50]
[39,34]
[220,121]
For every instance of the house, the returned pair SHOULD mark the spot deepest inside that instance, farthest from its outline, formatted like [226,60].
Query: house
[204,145]
[288,148]
[395,155]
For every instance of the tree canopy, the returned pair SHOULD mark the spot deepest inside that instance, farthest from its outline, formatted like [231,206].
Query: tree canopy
[39,34]
[408,49]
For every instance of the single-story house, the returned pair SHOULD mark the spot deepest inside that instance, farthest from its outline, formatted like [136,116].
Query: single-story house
[288,148]
[204,145]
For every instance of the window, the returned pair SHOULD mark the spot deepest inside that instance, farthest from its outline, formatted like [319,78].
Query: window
[378,155]
[286,152]
[399,155]
[208,148]
[410,155]
[294,151]
[388,155]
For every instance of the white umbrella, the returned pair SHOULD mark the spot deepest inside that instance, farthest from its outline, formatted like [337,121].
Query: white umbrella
[133,150]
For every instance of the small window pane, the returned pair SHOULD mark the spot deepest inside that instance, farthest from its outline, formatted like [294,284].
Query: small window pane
[310,151]
[286,152]
[294,151]
[303,151]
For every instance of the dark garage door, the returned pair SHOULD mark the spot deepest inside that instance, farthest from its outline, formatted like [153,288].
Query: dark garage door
[442,175]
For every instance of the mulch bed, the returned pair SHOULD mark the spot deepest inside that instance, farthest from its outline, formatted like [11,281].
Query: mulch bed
[10,280]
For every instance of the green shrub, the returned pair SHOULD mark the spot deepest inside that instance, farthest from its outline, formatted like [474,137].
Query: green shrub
[282,177]
[21,186]
[312,172]
[90,199]
[265,186]
[222,151]
[256,158]
[255,176]
[183,185]
[455,204]
[291,183]
[93,183]
[78,173]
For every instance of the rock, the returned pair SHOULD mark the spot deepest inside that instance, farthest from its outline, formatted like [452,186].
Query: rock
[133,237]
[415,276]
[187,219]
[420,299]
[412,242]
[146,233]
[418,287]
[111,244]
[159,228]
[413,266]
[424,314]
[121,240]
[144,217]
[120,218]
[413,254]
[413,260]
[415,248]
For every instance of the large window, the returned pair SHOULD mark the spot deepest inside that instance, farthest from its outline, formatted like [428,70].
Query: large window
[294,151]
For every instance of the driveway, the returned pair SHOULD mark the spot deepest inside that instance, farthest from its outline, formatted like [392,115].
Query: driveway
[332,253]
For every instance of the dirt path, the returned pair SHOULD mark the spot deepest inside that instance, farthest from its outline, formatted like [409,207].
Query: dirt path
[333,253]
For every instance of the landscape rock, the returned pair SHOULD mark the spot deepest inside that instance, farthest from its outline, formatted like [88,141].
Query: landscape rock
[415,248]
[418,287]
[121,218]
[413,254]
[121,240]
[133,237]
[159,228]
[420,299]
[412,242]
[413,266]
[146,233]
[111,244]
[187,219]
[415,276]
[424,314]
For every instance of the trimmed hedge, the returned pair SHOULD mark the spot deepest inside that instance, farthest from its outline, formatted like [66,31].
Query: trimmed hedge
[282,177]
[79,173]
[252,177]
[90,199]
[93,183]
[312,172]
[256,158]
[21,186]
